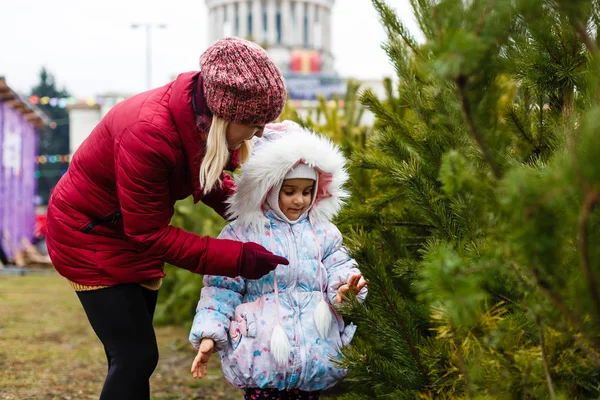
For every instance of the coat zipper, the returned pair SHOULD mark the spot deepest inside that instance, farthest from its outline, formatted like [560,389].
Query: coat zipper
[111,219]
[302,375]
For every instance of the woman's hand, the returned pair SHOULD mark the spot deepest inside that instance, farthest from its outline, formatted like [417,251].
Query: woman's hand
[256,261]
[354,286]
[204,352]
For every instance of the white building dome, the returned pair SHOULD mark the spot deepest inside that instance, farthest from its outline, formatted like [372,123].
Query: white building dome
[281,26]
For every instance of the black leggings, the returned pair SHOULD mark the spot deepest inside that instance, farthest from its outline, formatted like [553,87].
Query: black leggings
[3,258]
[122,318]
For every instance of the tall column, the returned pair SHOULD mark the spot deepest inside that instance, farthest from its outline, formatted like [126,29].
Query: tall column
[243,19]
[312,11]
[327,29]
[271,26]
[219,23]
[230,25]
[258,34]
[299,33]
[210,28]
[318,29]
[286,22]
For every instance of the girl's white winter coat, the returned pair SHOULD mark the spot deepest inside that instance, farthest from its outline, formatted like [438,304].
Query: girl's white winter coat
[240,315]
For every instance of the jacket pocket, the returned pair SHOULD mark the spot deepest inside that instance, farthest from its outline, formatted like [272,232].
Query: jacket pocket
[235,336]
[111,219]
[244,325]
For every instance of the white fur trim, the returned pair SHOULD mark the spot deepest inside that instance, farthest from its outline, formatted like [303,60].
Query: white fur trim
[323,318]
[280,346]
[275,154]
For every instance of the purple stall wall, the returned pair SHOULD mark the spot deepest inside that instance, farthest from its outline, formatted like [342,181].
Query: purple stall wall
[18,142]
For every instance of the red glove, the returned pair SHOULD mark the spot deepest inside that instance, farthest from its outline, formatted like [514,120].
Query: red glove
[256,261]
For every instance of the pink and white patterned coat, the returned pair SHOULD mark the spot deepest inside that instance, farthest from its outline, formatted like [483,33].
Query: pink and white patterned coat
[239,315]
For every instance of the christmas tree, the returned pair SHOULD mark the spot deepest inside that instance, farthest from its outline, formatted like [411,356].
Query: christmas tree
[54,139]
[478,234]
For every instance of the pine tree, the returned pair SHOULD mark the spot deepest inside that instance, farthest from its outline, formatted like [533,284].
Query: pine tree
[343,125]
[477,237]
[52,140]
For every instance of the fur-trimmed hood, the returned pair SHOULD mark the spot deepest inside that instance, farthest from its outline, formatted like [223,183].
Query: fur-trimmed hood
[282,147]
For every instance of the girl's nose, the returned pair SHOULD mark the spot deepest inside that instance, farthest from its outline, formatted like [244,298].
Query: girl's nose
[298,201]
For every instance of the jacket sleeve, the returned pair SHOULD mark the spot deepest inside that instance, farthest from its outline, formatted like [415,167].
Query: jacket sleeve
[219,298]
[143,160]
[216,198]
[340,266]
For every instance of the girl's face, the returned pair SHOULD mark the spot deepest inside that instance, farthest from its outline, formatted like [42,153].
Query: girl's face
[237,134]
[295,197]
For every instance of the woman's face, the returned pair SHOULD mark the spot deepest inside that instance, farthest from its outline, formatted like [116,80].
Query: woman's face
[237,134]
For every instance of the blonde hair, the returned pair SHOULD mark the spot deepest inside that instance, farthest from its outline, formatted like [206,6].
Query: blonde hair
[217,154]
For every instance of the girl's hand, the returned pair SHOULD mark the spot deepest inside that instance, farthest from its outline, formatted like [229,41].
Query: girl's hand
[204,352]
[353,286]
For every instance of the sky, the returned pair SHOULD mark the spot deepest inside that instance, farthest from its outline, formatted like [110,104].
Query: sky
[91,49]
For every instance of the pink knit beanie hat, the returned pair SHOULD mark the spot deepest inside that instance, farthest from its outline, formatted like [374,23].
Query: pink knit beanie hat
[241,82]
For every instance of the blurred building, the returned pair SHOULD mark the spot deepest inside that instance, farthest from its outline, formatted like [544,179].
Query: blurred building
[84,116]
[19,121]
[297,35]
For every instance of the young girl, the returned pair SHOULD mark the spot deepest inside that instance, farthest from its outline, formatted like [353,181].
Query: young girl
[278,336]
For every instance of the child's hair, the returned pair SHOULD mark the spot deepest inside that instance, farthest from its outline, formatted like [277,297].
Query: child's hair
[217,154]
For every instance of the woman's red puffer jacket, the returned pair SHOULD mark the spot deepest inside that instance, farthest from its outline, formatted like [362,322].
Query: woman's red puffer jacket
[109,215]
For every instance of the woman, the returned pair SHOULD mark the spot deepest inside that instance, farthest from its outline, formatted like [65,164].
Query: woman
[108,217]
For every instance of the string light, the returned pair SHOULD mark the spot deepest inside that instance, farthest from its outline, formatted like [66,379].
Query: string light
[52,158]
[63,102]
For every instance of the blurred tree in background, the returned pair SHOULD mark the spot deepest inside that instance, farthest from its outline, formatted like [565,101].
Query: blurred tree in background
[53,139]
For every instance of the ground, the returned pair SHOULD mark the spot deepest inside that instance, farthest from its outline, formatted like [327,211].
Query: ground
[49,351]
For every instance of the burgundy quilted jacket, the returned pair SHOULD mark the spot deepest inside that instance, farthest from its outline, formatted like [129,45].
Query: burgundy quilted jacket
[109,215]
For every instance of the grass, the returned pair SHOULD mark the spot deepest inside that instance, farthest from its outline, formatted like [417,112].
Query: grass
[49,351]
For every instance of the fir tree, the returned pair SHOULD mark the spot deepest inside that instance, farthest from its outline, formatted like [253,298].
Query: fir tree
[52,139]
[478,236]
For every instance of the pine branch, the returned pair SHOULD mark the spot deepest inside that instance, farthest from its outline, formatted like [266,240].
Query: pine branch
[590,353]
[394,26]
[461,83]
[405,334]
[562,308]
[517,122]
[585,38]
[408,223]
[550,53]
[545,359]
[484,16]
[426,202]
[463,368]
[591,200]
